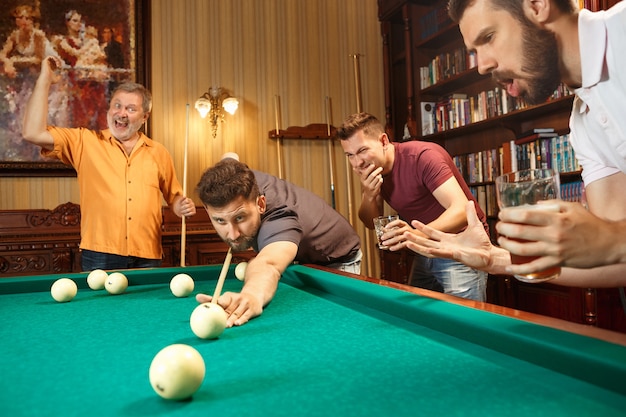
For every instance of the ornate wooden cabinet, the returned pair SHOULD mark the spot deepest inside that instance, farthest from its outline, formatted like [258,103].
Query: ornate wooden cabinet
[35,242]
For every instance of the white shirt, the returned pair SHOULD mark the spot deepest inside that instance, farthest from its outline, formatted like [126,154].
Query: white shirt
[598,119]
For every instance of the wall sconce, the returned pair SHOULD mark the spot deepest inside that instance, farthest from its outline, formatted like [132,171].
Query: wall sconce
[212,103]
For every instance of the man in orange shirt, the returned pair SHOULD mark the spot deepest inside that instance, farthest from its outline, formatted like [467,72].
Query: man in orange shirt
[122,175]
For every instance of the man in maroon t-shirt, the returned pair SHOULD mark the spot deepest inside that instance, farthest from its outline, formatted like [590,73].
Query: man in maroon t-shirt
[420,182]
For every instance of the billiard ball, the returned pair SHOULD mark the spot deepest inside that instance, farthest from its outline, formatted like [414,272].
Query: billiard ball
[181,285]
[96,279]
[240,270]
[176,372]
[63,290]
[116,283]
[208,321]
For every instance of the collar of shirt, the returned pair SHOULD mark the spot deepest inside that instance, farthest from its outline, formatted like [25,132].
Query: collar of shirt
[592,39]
[142,140]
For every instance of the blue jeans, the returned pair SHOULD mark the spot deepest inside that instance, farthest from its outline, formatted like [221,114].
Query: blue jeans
[91,260]
[448,276]
[353,265]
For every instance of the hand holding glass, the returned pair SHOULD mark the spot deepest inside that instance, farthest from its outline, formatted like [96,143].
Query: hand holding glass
[523,190]
[380,223]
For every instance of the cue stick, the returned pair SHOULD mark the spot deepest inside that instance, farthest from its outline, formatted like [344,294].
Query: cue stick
[359,108]
[183,228]
[278,138]
[330,154]
[357,82]
[220,280]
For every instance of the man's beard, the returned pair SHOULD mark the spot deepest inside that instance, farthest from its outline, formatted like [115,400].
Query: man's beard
[541,60]
[241,244]
[128,132]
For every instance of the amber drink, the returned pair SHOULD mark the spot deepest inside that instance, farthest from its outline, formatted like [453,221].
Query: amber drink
[380,223]
[523,190]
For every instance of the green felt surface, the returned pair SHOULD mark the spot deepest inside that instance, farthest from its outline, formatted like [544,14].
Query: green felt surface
[326,346]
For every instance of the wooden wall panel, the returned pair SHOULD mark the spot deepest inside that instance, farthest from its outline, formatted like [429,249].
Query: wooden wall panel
[296,49]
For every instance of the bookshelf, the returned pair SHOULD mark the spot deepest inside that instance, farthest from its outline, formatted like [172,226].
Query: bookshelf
[433,92]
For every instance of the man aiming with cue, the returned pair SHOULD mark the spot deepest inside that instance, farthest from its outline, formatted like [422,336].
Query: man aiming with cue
[282,222]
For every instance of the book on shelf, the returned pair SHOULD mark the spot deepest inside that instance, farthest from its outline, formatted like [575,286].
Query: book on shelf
[427,109]
[533,137]
[452,111]
[492,202]
[444,66]
[546,153]
[432,22]
[485,196]
[593,5]
[537,130]
[572,191]
[508,157]
[482,198]
[460,109]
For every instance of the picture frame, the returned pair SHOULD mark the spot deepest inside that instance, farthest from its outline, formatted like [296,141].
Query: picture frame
[92,68]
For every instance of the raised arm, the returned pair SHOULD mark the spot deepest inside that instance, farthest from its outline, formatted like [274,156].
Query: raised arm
[36,114]
[451,196]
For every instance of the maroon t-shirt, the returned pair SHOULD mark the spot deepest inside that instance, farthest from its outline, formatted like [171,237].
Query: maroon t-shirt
[419,169]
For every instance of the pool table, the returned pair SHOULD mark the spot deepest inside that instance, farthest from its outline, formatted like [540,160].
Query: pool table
[329,344]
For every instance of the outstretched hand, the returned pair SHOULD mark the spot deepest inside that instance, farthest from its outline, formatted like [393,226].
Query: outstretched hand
[471,247]
[239,307]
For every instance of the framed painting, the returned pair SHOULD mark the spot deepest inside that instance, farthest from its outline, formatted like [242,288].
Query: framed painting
[101,43]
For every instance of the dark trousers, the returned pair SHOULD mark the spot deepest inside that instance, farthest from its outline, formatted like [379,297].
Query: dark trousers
[91,260]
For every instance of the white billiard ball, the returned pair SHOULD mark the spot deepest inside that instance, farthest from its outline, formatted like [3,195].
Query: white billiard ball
[176,372]
[181,285]
[208,321]
[63,290]
[116,283]
[240,270]
[96,279]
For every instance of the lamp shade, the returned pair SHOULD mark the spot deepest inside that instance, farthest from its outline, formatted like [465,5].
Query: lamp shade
[230,104]
[203,106]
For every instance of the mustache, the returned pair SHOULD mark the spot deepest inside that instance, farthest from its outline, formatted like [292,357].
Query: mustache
[503,77]
[241,244]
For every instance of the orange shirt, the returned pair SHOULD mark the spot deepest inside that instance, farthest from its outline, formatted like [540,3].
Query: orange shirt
[120,194]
